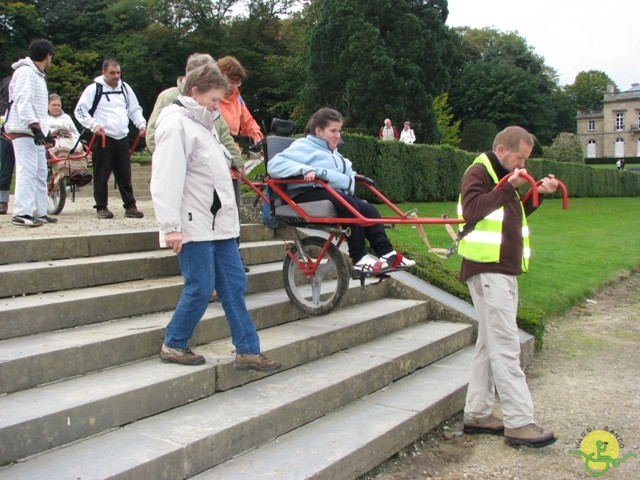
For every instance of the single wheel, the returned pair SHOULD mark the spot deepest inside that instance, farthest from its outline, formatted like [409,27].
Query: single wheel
[323,291]
[57,197]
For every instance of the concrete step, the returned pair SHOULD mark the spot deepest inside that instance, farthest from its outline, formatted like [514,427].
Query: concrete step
[353,440]
[28,361]
[56,275]
[26,249]
[187,440]
[47,312]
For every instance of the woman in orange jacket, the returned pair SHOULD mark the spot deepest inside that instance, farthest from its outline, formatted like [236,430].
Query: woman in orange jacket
[232,107]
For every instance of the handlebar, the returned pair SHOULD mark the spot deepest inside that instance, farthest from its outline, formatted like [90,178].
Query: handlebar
[561,186]
[528,178]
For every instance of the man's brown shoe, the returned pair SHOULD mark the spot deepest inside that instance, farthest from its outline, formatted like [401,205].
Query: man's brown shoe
[104,213]
[133,212]
[530,435]
[491,424]
[183,356]
[4,208]
[255,362]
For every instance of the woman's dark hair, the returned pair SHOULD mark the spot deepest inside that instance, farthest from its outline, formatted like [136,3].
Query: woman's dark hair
[321,119]
[39,49]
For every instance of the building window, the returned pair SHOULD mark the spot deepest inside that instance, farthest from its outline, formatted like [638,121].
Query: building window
[591,126]
[619,122]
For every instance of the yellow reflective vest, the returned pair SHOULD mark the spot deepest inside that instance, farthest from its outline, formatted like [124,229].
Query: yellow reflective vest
[483,243]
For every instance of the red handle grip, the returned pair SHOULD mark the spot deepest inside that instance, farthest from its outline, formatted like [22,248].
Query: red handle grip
[528,178]
[563,189]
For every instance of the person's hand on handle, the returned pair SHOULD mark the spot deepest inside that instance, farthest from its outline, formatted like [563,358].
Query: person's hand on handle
[548,184]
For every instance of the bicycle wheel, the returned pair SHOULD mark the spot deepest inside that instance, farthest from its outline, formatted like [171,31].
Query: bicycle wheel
[323,291]
[57,197]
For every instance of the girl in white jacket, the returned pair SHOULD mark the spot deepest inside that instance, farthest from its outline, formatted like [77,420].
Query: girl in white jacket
[196,210]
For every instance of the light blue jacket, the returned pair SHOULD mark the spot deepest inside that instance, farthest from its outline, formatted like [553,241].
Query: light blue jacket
[313,154]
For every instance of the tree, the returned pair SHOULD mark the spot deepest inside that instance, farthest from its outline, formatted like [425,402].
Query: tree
[377,59]
[588,89]
[19,24]
[448,127]
[478,136]
[500,79]
[565,148]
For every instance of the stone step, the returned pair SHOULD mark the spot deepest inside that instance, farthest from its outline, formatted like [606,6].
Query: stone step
[46,312]
[190,439]
[28,361]
[26,249]
[351,441]
[56,275]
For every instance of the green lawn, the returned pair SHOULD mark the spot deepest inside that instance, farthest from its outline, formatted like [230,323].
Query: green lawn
[574,251]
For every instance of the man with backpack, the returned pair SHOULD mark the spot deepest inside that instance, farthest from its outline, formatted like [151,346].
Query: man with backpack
[106,106]
[26,126]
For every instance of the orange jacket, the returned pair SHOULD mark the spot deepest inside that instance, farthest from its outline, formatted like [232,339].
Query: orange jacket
[238,117]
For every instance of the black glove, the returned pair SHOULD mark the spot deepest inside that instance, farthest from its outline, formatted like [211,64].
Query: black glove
[50,139]
[38,136]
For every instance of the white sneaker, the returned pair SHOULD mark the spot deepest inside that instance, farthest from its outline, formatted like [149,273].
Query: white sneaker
[397,260]
[369,264]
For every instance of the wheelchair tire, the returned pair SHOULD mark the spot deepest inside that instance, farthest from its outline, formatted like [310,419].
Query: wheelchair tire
[57,197]
[323,292]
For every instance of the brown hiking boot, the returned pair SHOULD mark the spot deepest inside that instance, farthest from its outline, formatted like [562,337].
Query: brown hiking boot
[104,213]
[255,362]
[183,356]
[491,424]
[133,212]
[530,435]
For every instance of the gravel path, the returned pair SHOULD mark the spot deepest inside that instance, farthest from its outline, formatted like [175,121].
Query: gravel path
[585,377]
[79,217]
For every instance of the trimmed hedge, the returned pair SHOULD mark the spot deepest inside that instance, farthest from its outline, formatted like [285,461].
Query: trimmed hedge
[432,173]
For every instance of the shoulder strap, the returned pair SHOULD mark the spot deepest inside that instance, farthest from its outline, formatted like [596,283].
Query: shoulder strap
[96,99]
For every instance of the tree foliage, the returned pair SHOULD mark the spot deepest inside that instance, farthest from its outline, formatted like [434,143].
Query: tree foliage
[379,59]
[565,148]
[370,59]
[501,80]
[448,127]
[19,24]
[588,89]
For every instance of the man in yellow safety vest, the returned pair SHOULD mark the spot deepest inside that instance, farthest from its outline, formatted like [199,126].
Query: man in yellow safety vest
[495,249]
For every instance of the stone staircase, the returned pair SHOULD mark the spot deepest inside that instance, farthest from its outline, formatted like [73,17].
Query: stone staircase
[84,395]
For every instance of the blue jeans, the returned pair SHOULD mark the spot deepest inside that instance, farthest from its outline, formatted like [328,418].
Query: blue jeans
[208,266]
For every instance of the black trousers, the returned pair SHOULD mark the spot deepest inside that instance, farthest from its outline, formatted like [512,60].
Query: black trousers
[7,164]
[113,158]
[375,234]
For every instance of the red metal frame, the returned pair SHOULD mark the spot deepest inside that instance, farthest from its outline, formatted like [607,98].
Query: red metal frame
[309,268]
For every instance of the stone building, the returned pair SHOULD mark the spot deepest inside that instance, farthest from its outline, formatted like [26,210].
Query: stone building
[615,130]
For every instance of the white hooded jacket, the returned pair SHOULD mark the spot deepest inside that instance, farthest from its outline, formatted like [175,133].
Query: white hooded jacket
[116,107]
[30,97]
[190,176]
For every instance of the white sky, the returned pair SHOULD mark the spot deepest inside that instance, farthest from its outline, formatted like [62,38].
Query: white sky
[572,35]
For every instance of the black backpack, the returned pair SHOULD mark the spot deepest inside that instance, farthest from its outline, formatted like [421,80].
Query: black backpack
[4,95]
[100,92]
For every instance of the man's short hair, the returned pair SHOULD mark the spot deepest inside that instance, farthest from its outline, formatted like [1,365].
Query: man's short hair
[196,60]
[39,48]
[511,137]
[108,62]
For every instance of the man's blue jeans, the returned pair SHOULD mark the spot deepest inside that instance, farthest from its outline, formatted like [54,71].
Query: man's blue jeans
[208,266]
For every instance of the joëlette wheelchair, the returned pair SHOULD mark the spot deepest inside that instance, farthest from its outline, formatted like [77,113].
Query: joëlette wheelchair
[316,274]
